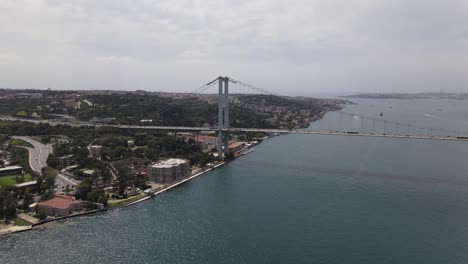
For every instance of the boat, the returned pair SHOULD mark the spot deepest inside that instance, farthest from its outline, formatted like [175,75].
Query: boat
[381,113]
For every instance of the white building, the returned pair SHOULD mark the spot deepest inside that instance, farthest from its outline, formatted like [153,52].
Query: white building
[169,170]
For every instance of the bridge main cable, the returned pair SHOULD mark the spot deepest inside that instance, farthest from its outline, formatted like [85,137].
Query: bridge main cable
[197,91]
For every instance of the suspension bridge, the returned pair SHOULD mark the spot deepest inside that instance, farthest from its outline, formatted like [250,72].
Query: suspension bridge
[369,126]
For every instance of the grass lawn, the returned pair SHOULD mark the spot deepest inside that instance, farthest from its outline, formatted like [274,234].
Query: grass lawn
[114,203]
[19,142]
[22,114]
[6,181]
[21,222]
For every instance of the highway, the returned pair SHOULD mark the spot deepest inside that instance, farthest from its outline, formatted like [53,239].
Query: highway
[38,154]
[272,131]
[62,181]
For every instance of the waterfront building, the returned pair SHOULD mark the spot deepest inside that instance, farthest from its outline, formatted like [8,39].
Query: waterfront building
[169,170]
[60,205]
[236,146]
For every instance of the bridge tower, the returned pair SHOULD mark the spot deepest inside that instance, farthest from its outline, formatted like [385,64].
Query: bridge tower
[223,115]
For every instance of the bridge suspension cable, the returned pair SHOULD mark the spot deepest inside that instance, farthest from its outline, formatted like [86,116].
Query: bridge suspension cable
[197,91]
[204,87]
[232,80]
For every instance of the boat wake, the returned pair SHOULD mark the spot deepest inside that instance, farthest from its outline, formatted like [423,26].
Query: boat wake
[432,116]
[354,173]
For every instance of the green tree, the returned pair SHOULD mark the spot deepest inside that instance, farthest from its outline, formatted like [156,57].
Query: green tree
[84,189]
[47,181]
[10,204]
[45,139]
[53,161]
[27,200]
[97,196]
[3,194]
[106,175]
[230,156]
[41,214]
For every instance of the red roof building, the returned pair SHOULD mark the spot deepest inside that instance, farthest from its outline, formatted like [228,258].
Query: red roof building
[60,205]
[236,146]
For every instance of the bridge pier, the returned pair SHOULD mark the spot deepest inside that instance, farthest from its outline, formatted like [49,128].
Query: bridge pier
[220,118]
[226,114]
[223,116]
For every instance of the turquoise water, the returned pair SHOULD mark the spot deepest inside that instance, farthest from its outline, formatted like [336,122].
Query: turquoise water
[295,199]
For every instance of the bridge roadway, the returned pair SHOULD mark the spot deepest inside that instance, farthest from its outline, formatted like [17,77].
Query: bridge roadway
[271,131]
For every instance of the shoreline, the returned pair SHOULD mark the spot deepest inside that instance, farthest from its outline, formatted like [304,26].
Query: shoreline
[40,225]
[173,185]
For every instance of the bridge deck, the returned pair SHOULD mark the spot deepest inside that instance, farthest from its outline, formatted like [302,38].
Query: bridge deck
[272,131]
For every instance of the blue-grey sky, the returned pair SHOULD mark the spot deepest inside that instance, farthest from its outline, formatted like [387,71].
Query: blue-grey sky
[294,46]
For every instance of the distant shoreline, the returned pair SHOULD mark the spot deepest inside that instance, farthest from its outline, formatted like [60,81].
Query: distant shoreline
[415,96]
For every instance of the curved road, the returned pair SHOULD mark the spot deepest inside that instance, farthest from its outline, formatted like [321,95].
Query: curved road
[38,154]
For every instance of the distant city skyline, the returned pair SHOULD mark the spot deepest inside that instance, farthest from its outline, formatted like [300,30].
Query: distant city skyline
[290,47]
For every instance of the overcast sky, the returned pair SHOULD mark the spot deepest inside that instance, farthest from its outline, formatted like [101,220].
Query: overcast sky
[290,47]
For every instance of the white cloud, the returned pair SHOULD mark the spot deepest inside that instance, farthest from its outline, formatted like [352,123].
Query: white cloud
[299,45]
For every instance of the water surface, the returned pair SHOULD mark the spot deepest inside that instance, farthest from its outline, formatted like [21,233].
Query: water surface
[295,199]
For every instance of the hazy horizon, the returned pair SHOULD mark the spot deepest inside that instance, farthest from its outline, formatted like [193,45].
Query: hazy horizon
[292,48]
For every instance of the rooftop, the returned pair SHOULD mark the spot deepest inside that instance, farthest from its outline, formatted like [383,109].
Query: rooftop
[168,163]
[88,172]
[66,157]
[11,168]
[60,201]
[236,144]
[25,184]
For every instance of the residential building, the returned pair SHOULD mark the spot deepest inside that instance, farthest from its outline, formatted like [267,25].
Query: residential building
[169,170]
[5,155]
[60,205]
[28,95]
[65,161]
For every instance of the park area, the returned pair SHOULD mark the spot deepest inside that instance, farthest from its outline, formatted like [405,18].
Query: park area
[8,181]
